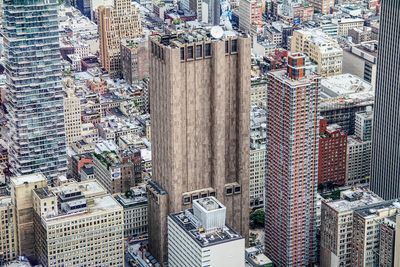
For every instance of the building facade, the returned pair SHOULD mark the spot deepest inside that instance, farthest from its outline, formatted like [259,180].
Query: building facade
[34,91]
[8,231]
[323,6]
[134,59]
[200,106]
[331,154]
[385,172]
[292,163]
[117,22]
[72,113]
[200,237]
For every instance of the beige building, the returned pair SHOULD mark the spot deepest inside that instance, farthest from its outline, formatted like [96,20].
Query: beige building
[72,117]
[346,24]
[134,59]
[8,232]
[200,101]
[397,245]
[337,226]
[117,22]
[21,192]
[258,93]
[322,6]
[321,48]
[78,224]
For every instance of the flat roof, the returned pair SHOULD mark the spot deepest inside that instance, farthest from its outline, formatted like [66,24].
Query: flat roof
[29,178]
[354,198]
[372,210]
[191,225]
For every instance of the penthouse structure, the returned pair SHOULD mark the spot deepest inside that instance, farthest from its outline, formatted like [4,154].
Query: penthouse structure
[200,94]
[199,237]
[34,94]
[117,22]
[321,48]
[292,163]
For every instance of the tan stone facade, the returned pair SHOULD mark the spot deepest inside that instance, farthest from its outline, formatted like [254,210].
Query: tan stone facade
[118,22]
[200,100]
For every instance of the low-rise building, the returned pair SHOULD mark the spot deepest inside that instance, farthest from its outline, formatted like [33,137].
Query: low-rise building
[199,237]
[346,24]
[134,203]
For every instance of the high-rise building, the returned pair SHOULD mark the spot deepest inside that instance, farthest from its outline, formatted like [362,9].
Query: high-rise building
[200,106]
[117,22]
[331,154]
[34,91]
[134,59]
[321,48]
[250,14]
[199,237]
[72,114]
[385,170]
[292,163]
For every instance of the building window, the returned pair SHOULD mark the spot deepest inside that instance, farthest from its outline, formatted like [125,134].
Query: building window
[207,51]
[229,190]
[226,47]
[199,51]
[234,46]
[190,52]
[182,53]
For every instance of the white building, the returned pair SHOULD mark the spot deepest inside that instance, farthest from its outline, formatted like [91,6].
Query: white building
[199,237]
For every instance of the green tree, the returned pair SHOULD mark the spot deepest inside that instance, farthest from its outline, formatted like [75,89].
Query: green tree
[257,218]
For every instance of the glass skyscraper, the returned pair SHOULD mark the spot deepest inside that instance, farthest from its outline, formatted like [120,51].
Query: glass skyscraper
[385,161]
[34,91]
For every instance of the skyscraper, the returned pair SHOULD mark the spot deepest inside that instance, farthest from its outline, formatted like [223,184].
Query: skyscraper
[385,162]
[200,113]
[34,91]
[117,22]
[292,162]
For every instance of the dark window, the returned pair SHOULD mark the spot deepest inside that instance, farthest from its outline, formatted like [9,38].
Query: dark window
[186,200]
[182,53]
[212,194]
[199,51]
[237,189]
[195,197]
[234,47]
[190,52]
[229,190]
[207,51]
[226,47]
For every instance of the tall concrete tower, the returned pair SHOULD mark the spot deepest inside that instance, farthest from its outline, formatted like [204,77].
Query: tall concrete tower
[200,115]
[292,164]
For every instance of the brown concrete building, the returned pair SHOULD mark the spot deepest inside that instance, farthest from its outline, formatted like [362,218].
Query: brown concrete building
[200,101]
[117,22]
[134,59]
[323,6]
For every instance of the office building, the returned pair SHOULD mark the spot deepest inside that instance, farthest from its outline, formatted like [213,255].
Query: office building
[8,231]
[387,241]
[134,59]
[331,154]
[250,15]
[323,6]
[21,192]
[366,232]
[199,237]
[321,48]
[77,224]
[337,225]
[200,106]
[258,93]
[361,60]
[360,35]
[342,96]
[118,172]
[72,121]
[292,163]
[134,202]
[258,152]
[117,22]
[385,172]
[346,24]
[36,134]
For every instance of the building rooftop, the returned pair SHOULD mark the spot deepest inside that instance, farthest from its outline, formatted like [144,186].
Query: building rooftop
[375,210]
[138,197]
[192,226]
[354,198]
[29,178]
[345,89]
[256,257]
[5,201]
